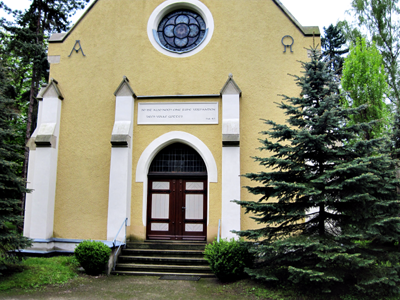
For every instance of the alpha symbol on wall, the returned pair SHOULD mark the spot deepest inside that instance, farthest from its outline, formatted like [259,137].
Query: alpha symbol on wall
[287,42]
[77,42]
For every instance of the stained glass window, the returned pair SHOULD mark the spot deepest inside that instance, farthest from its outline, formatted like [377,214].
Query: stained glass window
[177,158]
[181,31]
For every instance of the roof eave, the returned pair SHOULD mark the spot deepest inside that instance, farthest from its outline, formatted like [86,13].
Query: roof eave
[60,37]
[306,30]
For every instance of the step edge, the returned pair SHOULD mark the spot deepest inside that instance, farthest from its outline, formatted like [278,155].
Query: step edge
[164,273]
[161,266]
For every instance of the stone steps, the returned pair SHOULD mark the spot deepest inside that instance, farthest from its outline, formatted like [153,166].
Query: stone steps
[161,252]
[173,245]
[158,258]
[164,268]
[138,273]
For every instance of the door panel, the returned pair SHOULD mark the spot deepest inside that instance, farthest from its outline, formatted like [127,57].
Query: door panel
[177,209]
[160,185]
[160,207]
[194,207]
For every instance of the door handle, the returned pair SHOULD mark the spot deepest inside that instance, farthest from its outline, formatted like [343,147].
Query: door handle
[183,207]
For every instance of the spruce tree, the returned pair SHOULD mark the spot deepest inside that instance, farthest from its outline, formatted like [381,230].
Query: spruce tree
[332,44]
[327,204]
[11,184]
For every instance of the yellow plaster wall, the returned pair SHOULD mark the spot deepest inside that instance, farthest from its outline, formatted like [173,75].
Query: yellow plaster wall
[113,36]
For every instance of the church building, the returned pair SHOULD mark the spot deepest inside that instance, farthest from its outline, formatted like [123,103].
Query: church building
[152,112]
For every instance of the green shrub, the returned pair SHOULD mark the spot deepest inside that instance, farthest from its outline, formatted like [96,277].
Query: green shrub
[92,256]
[228,259]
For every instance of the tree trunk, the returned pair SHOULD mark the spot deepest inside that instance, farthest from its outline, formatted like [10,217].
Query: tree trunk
[31,118]
[28,132]
[321,225]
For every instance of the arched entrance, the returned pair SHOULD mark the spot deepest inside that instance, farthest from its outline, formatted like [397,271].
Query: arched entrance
[177,195]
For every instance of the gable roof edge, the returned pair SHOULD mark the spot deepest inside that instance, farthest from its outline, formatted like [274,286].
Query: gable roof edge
[53,83]
[125,81]
[306,30]
[232,82]
[60,37]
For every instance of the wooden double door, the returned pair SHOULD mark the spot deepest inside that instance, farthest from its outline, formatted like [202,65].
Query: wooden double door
[177,208]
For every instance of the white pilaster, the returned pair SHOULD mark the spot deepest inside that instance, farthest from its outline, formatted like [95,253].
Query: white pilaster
[119,196]
[42,167]
[29,185]
[230,218]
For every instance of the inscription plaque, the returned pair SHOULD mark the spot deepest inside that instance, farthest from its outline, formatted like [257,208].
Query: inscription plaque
[178,113]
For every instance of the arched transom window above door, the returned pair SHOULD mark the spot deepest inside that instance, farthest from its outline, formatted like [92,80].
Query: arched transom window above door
[177,159]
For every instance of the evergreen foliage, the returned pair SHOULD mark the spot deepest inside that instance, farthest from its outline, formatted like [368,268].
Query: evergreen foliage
[332,43]
[11,185]
[27,43]
[364,79]
[328,207]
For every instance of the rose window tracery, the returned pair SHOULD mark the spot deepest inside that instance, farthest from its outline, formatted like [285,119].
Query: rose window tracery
[181,31]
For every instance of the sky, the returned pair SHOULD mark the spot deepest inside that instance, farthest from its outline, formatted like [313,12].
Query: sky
[308,12]
[320,13]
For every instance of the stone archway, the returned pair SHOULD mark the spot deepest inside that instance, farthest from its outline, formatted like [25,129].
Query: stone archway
[161,142]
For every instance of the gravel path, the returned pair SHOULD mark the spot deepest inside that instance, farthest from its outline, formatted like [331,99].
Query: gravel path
[137,287]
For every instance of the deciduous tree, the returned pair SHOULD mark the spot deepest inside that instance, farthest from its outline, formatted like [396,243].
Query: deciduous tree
[381,20]
[364,79]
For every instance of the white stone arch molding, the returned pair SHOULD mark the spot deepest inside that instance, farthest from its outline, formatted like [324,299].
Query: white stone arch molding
[161,142]
[170,5]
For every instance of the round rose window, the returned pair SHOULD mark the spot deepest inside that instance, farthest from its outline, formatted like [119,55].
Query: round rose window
[181,31]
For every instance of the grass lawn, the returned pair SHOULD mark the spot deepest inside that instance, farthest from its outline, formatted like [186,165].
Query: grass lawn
[36,272]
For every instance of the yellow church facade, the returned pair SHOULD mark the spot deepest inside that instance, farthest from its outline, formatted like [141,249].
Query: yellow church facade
[152,113]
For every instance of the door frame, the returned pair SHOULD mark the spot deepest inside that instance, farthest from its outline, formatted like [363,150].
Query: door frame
[178,231]
[148,154]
